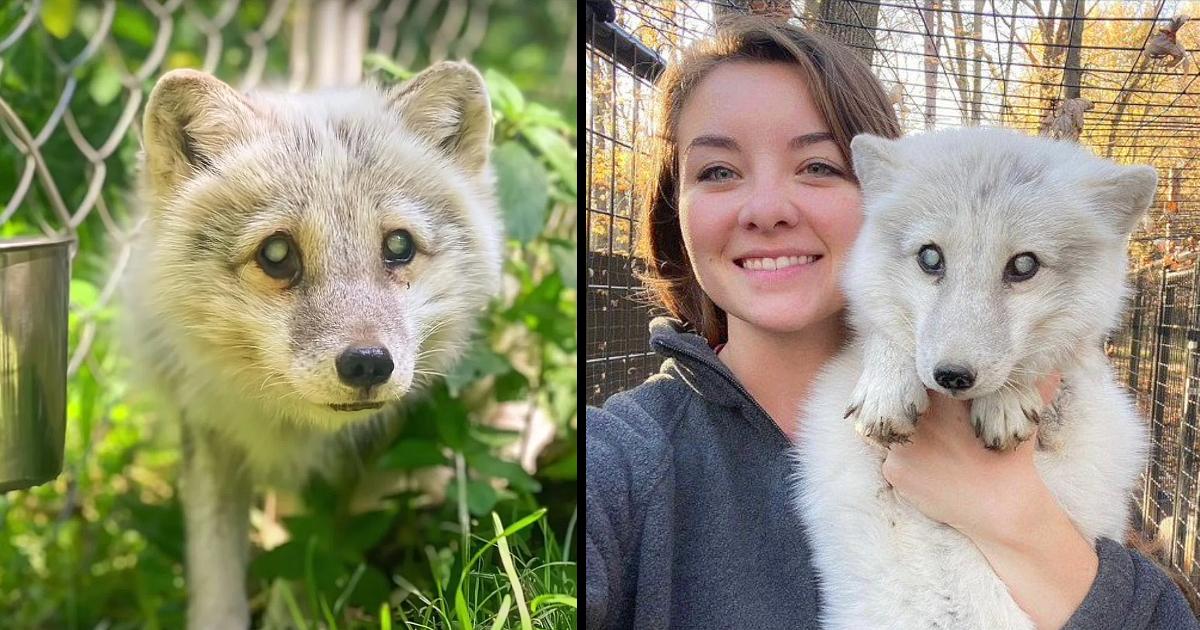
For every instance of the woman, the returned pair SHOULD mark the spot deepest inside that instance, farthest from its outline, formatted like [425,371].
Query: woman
[752,210]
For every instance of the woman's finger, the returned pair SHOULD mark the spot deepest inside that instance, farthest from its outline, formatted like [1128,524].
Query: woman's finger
[1048,387]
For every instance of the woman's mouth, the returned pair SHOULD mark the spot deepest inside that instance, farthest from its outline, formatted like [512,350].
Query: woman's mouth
[776,263]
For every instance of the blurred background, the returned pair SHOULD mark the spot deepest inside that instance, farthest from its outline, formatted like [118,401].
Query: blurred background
[411,539]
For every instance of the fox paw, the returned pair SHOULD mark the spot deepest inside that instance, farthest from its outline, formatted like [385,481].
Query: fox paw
[1006,418]
[885,409]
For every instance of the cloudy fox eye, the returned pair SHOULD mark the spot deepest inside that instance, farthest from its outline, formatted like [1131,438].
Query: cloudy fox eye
[1021,267]
[930,259]
[398,247]
[279,258]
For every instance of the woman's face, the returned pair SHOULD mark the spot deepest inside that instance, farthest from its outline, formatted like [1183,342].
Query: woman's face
[767,206]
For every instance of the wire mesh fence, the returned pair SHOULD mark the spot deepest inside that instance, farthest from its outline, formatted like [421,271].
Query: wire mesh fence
[618,352]
[1155,352]
[1116,76]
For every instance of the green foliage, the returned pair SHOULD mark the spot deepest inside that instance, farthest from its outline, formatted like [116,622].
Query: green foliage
[407,539]
[523,190]
[532,42]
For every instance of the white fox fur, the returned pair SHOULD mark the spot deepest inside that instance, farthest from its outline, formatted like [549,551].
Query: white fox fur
[249,361]
[983,196]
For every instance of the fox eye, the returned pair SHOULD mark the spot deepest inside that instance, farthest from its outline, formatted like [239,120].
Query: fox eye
[398,247]
[279,258]
[1021,267]
[930,259]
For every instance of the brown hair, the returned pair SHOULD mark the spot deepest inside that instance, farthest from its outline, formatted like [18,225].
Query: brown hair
[848,96]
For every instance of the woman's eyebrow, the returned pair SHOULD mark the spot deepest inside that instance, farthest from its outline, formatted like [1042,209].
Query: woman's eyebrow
[725,142]
[719,142]
[799,142]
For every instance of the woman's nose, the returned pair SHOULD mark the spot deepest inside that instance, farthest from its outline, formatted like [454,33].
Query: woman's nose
[768,207]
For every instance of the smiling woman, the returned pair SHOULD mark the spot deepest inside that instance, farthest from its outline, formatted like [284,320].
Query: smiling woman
[752,207]
[789,162]
[786,195]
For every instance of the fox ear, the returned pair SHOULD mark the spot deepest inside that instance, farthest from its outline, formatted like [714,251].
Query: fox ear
[1125,194]
[874,161]
[190,118]
[447,104]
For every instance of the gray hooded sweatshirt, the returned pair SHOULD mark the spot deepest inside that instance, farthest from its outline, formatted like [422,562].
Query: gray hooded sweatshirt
[690,521]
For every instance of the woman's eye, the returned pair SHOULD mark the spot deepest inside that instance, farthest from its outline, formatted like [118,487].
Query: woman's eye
[399,248]
[279,257]
[820,168]
[716,174]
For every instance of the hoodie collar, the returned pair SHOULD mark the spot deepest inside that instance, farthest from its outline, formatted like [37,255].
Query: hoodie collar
[690,358]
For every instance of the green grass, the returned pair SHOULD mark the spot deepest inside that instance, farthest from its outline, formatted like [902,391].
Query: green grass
[496,582]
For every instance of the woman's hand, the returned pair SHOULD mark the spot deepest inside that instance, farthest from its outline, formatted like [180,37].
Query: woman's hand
[998,500]
[948,475]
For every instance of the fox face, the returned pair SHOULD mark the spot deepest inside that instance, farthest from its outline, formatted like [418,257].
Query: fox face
[990,255]
[322,254]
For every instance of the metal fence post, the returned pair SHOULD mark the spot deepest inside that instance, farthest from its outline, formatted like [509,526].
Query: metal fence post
[1135,332]
[1187,431]
[1183,434]
[330,38]
[1156,428]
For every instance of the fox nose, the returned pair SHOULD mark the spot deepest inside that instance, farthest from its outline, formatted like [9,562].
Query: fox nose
[953,377]
[364,367]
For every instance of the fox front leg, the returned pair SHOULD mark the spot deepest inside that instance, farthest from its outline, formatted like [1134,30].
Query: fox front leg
[216,497]
[889,395]
[1007,417]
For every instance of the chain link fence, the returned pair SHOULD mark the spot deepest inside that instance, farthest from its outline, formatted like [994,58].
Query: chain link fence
[946,64]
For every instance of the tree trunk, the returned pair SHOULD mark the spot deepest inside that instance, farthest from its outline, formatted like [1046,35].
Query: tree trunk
[852,23]
[955,62]
[778,9]
[932,17]
[976,70]
[1072,69]
[1119,111]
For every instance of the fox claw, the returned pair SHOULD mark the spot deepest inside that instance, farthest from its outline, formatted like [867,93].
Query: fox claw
[1004,420]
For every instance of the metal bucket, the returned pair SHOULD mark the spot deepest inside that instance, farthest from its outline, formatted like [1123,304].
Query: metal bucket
[34,281]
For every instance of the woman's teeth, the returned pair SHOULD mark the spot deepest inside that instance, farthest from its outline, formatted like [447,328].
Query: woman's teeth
[772,264]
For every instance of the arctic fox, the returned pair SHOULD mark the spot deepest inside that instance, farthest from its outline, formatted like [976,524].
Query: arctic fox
[307,260]
[986,260]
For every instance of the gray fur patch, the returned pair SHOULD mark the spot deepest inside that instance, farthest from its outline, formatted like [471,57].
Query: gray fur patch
[194,157]
[356,144]
[205,242]
[307,325]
